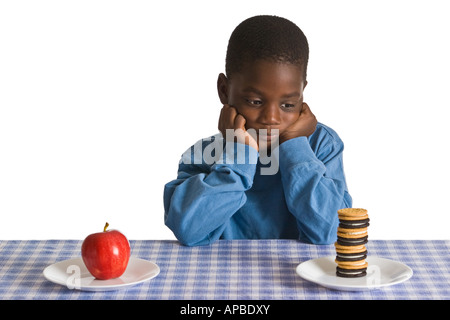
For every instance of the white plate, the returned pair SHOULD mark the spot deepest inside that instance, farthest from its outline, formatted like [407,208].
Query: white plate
[380,273]
[73,274]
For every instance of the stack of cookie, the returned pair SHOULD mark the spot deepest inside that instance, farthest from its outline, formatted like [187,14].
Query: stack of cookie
[352,236]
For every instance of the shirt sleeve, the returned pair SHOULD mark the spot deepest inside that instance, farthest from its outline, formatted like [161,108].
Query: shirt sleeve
[314,185]
[199,203]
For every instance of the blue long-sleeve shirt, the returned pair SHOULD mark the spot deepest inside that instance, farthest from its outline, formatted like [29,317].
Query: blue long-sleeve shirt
[227,197]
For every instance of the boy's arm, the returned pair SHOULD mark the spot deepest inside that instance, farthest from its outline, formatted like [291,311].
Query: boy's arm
[200,202]
[314,185]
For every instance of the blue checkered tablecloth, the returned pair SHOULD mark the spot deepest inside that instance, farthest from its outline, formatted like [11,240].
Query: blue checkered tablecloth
[237,269]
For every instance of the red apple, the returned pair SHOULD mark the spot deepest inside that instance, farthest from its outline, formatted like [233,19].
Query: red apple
[106,254]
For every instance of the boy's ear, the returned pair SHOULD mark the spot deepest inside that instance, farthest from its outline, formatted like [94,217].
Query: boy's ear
[222,88]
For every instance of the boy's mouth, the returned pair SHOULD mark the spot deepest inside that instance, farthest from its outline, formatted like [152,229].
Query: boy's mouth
[268,135]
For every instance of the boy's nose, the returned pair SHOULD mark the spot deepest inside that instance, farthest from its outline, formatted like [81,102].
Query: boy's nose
[270,115]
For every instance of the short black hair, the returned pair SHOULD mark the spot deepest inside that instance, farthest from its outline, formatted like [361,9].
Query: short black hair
[269,38]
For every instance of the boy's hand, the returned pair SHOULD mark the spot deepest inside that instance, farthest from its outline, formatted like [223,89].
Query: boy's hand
[231,119]
[304,126]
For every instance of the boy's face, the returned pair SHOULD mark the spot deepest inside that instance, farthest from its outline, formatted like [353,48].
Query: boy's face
[268,94]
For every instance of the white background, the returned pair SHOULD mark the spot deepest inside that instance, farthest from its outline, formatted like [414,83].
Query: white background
[98,99]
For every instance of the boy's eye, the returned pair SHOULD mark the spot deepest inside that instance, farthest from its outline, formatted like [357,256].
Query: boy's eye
[254,102]
[288,105]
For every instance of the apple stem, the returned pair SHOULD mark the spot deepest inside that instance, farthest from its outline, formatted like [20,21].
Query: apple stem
[106,226]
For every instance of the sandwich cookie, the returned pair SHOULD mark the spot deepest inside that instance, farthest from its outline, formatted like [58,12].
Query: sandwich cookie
[353,265]
[352,236]
[349,249]
[349,214]
[352,242]
[351,269]
[350,253]
[349,273]
[354,224]
[352,233]
[351,256]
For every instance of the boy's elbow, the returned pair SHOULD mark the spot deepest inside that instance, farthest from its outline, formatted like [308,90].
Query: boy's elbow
[320,235]
[187,239]
[192,242]
[184,235]
[326,240]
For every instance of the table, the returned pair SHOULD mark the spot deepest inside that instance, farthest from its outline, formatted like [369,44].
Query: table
[235,270]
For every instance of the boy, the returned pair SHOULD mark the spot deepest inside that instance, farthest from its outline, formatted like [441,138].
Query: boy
[221,191]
